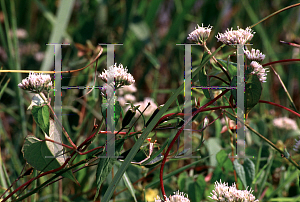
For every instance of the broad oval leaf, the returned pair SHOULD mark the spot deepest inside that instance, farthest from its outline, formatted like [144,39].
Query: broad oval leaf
[39,156]
[222,156]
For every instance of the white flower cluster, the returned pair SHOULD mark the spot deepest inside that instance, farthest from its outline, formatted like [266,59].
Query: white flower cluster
[200,34]
[177,197]
[285,123]
[119,74]
[227,194]
[259,70]
[239,36]
[254,55]
[125,94]
[36,82]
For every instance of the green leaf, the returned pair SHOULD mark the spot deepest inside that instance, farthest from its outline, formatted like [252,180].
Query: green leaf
[116,108]
[41,116]
[228,166]
[253,90]
[222,156]
[240,172]
[230,66]
[194,191]
[38,155]
[154,162]
[213,146]
[202,184]
[3,87]
[181,180]
[129,185]
[105,165]
[217,174]
[249,168]
[203,82]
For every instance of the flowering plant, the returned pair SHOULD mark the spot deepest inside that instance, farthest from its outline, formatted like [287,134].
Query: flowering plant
[151,127]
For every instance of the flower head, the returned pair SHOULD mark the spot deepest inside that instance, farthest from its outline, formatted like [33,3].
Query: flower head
[118,76]
[239,36]
[36,82]
[259,70]
[224,193]
[285,123]
[200,34]
[177,197]
[255,55]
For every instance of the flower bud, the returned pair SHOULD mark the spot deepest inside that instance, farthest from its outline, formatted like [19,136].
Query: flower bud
[128,117]
[152,116]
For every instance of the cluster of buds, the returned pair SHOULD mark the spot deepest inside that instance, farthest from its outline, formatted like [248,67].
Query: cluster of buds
[118,76]
[259,70]
[223,192]
[36,83]
[254,55]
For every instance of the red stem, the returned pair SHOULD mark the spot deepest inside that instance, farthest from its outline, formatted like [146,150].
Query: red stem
[37,177]
[277,105]
[177,135]
[280,61]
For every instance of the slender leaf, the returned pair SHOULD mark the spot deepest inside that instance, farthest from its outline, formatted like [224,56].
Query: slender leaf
[105,165]
[129,185]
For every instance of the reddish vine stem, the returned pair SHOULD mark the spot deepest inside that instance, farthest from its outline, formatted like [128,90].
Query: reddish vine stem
[277,105]
[37,177]
[177,135]
[63,129]
[280,61]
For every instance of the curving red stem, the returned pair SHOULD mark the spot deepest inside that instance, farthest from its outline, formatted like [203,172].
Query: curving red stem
[177,135]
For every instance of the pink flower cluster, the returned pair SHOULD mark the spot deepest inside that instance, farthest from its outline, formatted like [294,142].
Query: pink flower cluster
[233,37]
[36,82]
[223,192]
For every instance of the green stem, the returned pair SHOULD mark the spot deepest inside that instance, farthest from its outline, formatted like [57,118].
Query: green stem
[268,141]
[222,68]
